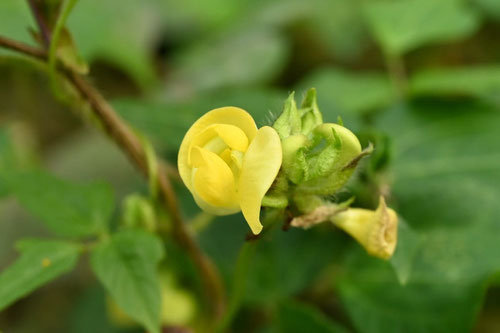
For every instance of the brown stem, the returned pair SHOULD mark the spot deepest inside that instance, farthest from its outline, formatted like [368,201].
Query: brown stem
[42,26]
[22,48]
[125,138]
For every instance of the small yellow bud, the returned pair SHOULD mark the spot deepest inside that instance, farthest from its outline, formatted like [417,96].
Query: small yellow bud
[375,230]
[228,164]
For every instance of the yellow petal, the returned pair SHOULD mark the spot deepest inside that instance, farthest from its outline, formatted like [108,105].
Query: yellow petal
[213,180]
[376,231]
[234,137]
[261,164]
[218,137]
[226,115]
[220,211]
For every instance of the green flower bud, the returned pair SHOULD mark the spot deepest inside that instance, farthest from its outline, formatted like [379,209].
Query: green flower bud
[318,158]
[139,212]
[331,167]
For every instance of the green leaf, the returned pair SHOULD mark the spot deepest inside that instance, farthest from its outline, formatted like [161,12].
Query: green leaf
[15,18]
[294,317]
[339,26]
[99,33]
[126,265]
[347,93]
[67,209]
[402,26]
[409,243]
[288,262]
[490,8]
[480,81]
[228,61]
[446,186]
[41,261]
[376,302]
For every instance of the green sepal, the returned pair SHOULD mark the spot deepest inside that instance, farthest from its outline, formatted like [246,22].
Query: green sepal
[330,168]
[294,160]
[324,163]
[307,203]
[288,123]
[309,112]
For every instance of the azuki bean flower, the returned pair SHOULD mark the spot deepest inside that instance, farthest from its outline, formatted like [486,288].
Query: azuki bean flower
[228,164]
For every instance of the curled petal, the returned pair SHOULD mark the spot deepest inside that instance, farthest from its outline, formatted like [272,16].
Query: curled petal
[213,180]
[375,230]
[222,135]
[226,115]
[261,164]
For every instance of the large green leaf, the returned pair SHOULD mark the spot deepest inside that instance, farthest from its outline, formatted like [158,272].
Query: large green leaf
[235,58]
[41,261]
[490,7]
[446,187]
[349,92]
[15,19]
[339,26]
[480,81]
[68,209]
[100,34]
[126,265]
[286,263]
[294,317]
[401,26]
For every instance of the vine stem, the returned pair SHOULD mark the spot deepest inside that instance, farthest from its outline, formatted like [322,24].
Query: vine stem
[130,144]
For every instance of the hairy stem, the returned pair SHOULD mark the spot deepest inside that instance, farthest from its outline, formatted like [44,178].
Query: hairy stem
[130,144]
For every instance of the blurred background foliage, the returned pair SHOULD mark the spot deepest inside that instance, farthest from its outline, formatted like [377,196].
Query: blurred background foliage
[418,78]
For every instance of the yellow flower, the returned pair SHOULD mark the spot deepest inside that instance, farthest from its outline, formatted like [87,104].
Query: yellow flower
[376,231]
[228,164]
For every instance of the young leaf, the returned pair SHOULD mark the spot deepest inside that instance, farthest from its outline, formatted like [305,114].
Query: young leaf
[126,266]
[41,261]
[67,209]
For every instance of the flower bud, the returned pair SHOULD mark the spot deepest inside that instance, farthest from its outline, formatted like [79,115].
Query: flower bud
[375,230]
[330,168]
[318,158]
[139,212]
[228,164]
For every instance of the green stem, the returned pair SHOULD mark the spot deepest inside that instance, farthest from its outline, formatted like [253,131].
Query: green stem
[66,8]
